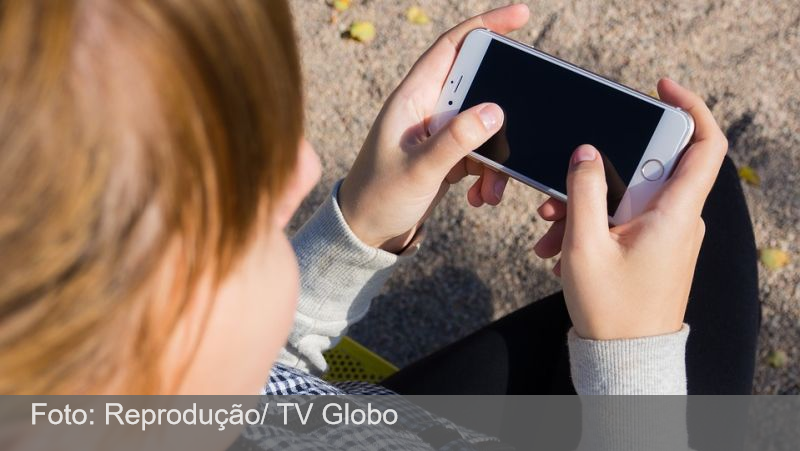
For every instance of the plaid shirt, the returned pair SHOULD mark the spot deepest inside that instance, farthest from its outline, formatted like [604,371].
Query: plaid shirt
[415,429]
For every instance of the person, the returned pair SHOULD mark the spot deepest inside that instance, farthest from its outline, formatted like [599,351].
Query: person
[152,154]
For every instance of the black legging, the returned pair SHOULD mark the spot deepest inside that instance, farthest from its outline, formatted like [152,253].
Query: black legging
[526,352]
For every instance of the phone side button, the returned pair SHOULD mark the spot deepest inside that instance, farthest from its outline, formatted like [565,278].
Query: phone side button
[652,170]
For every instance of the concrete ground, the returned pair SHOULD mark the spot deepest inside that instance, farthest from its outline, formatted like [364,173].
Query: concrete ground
[477,264]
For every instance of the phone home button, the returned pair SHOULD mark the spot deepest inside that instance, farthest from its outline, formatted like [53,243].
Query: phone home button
[652,170]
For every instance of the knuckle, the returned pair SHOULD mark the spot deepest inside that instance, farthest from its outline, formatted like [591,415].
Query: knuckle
[448,38]
[677,220]
[578,250]
[463,134]
[570,246]
[723,142]
[701,229]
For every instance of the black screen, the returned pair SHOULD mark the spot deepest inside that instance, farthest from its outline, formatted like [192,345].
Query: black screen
[550,110]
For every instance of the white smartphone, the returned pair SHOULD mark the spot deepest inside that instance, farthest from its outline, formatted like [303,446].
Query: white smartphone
[551,107]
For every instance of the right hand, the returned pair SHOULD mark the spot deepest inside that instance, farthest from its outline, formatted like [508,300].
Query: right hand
[402,172]
[633,280]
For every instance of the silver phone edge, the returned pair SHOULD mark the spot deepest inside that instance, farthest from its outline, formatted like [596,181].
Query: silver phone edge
[683,143]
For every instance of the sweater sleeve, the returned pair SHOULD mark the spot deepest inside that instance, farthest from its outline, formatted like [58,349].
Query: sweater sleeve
[339,277]
[641,366]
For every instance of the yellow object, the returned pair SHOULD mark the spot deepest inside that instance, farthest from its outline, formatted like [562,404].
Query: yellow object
[362,31]
[749,175]
[341,5]
[350,361]
[773,258]
[416,15]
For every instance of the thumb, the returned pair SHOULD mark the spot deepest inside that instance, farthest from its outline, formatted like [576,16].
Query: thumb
[587,213]
[463,134]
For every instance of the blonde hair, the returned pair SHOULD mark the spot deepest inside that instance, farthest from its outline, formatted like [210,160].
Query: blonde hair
[130,131]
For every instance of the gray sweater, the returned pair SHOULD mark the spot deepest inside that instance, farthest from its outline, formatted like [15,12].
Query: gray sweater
[340,275]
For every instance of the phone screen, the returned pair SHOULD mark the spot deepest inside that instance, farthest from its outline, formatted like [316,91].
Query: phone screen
[550,110]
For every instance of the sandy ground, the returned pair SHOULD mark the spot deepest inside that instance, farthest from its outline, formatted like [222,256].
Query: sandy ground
[477,264]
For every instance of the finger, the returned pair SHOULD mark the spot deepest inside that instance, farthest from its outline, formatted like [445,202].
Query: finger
[457,173]
[587,216]
[549,245]
[474,193]
[552,210]
[674,94]
[686,190]
[690,183]
[493,186]
[432,68]
[557,268]
[474,167]
[465,133]
[500,20]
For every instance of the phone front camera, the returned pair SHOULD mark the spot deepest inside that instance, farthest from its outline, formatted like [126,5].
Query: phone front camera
[449,102]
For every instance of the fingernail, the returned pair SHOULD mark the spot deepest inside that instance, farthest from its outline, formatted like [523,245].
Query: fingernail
[583,153]
[499,187]
[490,116]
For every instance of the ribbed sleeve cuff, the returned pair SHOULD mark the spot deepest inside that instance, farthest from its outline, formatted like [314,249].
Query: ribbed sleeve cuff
[335,266]
[641,366]
[339,277]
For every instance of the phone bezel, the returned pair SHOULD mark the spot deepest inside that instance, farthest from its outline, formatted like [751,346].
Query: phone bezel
[670,137]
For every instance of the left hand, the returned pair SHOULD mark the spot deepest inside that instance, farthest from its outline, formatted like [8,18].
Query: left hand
[633,280]
[401,173]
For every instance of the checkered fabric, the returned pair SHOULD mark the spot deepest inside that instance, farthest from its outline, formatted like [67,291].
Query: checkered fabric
[416,429]
[284,380]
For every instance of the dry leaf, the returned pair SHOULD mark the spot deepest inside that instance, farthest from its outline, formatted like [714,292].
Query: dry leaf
[777,359]
[773,258]
[749,175]
[341,5]
[416,15]
[362,31]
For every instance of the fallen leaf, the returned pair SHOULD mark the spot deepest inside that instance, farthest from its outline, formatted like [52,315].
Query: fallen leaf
[362,31]
[777,359]
[773,258]
[416,15]
[341,5]
[749,175]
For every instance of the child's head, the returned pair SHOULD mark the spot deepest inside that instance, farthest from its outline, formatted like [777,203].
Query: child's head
[148,163]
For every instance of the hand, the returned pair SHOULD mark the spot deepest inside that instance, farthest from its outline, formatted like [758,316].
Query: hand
[634,279]
[401,173]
